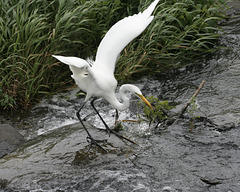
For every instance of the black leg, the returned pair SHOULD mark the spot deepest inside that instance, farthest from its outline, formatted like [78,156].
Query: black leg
[107,128]
[117,116]
[105,124]
[92,141]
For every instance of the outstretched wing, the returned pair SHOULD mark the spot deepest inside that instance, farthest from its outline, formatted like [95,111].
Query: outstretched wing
[119,35]
[75,64]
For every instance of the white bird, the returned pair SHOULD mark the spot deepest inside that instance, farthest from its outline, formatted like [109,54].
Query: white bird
[96,78]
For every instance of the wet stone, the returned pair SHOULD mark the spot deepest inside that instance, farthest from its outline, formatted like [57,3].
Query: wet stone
[3,183]
[211,181]
[10,139]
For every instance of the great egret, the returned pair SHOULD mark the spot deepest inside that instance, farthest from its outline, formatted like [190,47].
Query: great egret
[96,78]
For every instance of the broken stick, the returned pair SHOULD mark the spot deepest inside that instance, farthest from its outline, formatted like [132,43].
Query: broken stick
[191,99]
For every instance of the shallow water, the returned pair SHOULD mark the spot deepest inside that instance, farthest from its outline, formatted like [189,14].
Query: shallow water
[199,158]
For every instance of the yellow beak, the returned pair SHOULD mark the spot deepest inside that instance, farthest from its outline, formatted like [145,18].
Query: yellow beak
[145,100]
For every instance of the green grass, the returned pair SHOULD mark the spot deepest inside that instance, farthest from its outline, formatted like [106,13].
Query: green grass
[31,31]
[159,111]
[180,31]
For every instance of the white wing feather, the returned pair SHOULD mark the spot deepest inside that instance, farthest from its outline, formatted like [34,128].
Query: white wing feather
[119,35]
[73,61]
[76,64]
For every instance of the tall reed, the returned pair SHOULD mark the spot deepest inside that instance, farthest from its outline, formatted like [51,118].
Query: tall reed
[32,30]
[181,30]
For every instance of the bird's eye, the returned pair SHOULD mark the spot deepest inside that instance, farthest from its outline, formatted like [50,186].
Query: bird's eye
[85,74]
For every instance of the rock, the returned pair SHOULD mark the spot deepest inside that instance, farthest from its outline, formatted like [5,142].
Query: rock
[10,139]
[210,181]
[60,153]
[3,183]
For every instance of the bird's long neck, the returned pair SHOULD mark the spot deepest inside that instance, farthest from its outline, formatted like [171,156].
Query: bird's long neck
[121,106]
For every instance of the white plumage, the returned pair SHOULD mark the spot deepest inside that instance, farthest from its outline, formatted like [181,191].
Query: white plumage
[97,79]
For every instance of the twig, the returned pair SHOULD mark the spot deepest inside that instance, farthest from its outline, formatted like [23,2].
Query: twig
[132,161]
[191,99]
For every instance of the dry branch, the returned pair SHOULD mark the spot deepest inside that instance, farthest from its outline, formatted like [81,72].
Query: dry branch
[191,99]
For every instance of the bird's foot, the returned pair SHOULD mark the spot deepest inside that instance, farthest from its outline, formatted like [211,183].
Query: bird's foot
[120,136]
[96,143]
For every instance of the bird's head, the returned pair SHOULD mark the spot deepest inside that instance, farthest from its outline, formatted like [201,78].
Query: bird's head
[134,89]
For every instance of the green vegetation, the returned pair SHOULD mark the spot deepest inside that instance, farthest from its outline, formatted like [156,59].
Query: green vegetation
[159,113]
[183,29]
[191,111]
[32,30]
